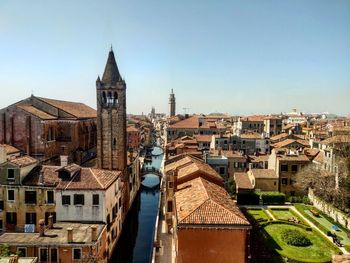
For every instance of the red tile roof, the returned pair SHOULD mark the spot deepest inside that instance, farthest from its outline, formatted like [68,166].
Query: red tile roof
[189,123]
[77,109]
[242,181]
[10,149]
[23,161]
[200,202]
[36,112]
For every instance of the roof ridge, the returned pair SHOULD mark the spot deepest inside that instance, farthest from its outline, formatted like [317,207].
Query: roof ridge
[98,180]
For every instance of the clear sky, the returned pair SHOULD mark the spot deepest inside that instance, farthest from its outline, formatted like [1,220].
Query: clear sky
[240,57]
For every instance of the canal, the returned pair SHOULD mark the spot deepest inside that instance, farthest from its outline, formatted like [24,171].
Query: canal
[136,242]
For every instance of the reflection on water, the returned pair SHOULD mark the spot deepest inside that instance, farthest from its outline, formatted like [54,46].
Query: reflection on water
[136,242]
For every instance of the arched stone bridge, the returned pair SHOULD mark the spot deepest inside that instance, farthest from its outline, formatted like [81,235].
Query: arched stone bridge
[150,170]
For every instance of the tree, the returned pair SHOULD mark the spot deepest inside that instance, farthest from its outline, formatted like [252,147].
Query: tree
[231,186]
[332,187]
[4,250]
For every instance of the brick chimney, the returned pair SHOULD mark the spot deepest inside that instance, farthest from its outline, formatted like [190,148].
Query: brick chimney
[42,227]
[93,233]
[50,222]
[69,235]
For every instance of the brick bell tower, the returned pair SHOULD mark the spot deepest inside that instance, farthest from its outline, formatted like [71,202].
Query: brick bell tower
[111,118]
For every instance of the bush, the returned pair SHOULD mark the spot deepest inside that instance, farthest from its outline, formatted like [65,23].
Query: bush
[296,238]
[273,198]
[247,198]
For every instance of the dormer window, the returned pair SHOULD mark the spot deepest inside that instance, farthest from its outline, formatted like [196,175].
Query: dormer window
[10,174]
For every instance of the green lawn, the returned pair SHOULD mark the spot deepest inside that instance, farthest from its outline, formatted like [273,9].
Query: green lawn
[259,215]
[320,251]
[281,214]
[325,224]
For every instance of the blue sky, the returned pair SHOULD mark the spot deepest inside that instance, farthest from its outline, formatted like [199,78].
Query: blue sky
[240,57]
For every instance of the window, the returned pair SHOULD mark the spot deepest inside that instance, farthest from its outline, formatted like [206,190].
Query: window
[30,197]
[10,174]
[294,168]
[120,202]
[10,195]
[78,199]
[11,218]
[22,251]
[284,180]
[1,205]
[222,170]
[65,199]
[170,185]
[243,142]
[43,254]
[53,255]
[1,225]
[284,168]
[77,254]
[95,200]
[31,218]
[170,206]
[50,199]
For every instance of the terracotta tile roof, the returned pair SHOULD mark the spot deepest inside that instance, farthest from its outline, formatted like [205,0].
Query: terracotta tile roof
[279,137]
[229,154]
[174,165]
[54,236]
[189,123]
[242,181]
[77,109]
[254,118]
[10,149]
[300,158]
[337,139]
[251,136]
[287,142]
[36,112]
[198,166]
[200,202]
[81,179]
[259,158]
[264,173]
[319,157]
[23,161]
[311,153]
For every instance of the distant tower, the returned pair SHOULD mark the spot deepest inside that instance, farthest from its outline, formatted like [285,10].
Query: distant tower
[111,118]
[153,112]
[172,104]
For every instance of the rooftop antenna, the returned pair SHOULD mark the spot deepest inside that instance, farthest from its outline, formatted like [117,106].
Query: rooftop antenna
[186,110]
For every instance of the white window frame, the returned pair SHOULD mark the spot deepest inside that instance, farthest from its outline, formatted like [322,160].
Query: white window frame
[81,253]
[8,200]
[25,248]
[11,179]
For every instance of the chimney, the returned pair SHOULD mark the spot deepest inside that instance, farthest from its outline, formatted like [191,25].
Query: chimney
[250,166]
[3,154]
[69,235]
[93,233]
[230,148]
[13,259]
[50,223]
[42,227]
[64,160]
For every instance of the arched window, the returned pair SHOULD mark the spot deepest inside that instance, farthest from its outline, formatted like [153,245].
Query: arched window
[115,99]
[110,98]
[104,99]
